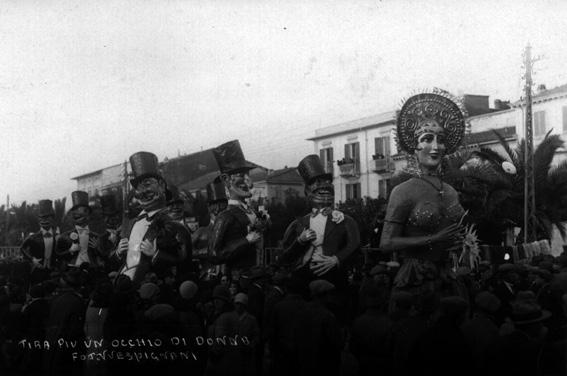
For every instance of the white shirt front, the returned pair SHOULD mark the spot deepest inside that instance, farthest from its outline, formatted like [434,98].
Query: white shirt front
[136,237]
[84,243]
[316,223]
[48,246]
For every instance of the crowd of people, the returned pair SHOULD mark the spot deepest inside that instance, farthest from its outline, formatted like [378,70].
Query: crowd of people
[154,294]
[514,323]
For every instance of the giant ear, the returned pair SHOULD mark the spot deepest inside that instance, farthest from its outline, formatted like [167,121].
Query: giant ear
[225,178]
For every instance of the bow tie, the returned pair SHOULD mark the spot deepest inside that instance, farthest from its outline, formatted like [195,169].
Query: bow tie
[323,211]
[143,216]
[47,235]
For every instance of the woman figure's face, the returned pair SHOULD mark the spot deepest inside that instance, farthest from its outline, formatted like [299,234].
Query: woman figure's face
[430,145]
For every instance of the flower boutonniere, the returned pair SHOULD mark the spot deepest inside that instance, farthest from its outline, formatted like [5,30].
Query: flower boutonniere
[337,216]
[74,236]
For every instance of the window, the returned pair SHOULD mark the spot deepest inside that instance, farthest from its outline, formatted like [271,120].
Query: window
[353,191]
[326,155]
[352,154]
[564,119]
[539,123]
[383,188]
[382,146]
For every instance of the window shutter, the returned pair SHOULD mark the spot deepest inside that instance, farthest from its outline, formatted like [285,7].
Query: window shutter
[322,156]
[347,151]
[386,146]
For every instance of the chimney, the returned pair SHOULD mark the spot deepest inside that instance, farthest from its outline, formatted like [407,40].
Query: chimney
[501,105]
[476,104]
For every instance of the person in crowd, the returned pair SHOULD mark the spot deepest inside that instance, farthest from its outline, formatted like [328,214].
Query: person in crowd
[66,320]
[154,241]
[33,321]
[238,228]
[520,351]
[423,214]
[95,318]
[442,348]
[39,248]
[319,339]
[371,335]
[482,330]
[80,245]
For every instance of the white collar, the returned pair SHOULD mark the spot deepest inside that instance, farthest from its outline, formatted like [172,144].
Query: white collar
[237,203]
[78,228]
[149,214]
[44,231]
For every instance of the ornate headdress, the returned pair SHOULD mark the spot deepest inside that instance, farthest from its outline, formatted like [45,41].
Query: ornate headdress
[437,106]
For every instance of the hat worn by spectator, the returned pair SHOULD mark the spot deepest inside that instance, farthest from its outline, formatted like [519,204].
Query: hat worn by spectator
[222,293]
[37,291]
[254,273]
[188,290]
[487,302]
[73,277]
[148,291]
[320,287]
[378,269]
[241,298]
[159,311]
[505,268]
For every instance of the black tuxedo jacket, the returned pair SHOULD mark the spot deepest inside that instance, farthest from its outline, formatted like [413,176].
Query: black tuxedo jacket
[228,244]
[340,239]
[96,255]
[173,241]
[33,246]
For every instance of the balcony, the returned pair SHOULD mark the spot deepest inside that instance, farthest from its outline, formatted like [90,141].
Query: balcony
[349,168]
[384,165]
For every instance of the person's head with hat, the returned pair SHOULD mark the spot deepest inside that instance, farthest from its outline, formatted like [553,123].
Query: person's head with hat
[509,273]
[528,316]
[110,211]
[149,185]
[486,303]
[221,298]
[46,215]
[320,289]
[80,211]
[149,292]
[234,170]
[253,275]
[175,203]
[380,275]
[241,303]
[188,290]
[217,199]
[319,188]
[73,278]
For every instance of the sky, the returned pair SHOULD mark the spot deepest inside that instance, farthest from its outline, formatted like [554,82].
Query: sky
[85,84]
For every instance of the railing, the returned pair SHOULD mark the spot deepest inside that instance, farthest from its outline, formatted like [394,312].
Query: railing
[384,165]
[10,252]
[349,169]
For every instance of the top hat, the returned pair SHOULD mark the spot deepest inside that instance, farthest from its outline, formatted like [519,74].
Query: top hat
[45,208]
[173,195]
[230,158]
[80,198]
[216,192]
[144,165]
[311,168]
[108,204]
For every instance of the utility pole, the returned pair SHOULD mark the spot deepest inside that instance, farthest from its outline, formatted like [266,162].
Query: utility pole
[529,183]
